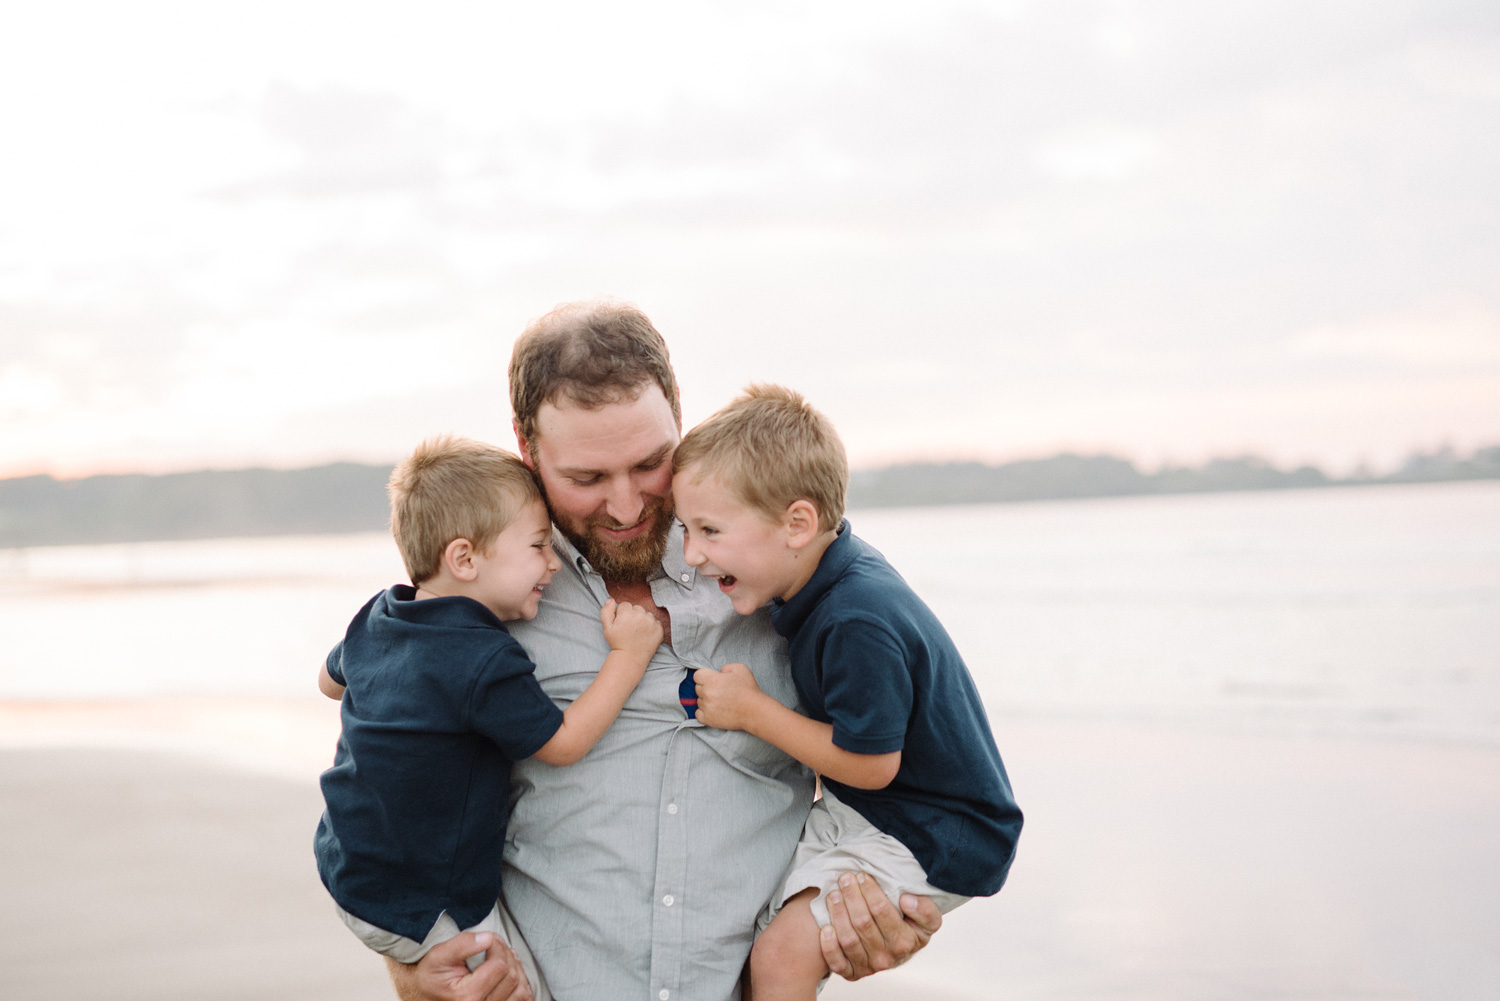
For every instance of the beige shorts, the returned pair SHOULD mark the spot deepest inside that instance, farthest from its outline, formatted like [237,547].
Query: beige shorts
[837,839]
[405,950]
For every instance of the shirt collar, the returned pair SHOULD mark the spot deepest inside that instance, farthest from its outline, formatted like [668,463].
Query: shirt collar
[674,565]
[787,616]
[453,610]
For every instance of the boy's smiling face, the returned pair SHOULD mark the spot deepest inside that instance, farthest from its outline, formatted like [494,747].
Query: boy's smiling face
[517,565]
[748,553]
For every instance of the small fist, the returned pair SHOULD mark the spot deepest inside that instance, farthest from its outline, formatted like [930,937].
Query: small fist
[727,696]
[630,628]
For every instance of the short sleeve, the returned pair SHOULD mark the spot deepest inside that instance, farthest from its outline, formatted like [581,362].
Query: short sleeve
[508,706]
[867,688]
[335,663]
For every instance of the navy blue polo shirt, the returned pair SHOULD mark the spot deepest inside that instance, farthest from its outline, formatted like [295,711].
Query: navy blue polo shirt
[438,701]
[869,657]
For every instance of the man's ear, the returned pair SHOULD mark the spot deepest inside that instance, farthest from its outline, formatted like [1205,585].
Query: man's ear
[523,447]
[458,560]
[801,522]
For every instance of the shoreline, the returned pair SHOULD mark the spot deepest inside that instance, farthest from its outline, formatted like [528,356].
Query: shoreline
[171,838]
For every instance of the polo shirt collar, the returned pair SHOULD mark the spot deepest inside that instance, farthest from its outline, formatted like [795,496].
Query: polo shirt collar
[789,615]
[454,610]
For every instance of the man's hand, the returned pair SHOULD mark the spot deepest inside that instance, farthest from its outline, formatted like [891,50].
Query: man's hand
[727,696]
[868,934]
[442,974]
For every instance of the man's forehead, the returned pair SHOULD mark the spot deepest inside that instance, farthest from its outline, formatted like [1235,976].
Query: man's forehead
[625,431]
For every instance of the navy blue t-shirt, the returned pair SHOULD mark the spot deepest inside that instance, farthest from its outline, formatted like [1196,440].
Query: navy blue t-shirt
[869,657]
[438,701]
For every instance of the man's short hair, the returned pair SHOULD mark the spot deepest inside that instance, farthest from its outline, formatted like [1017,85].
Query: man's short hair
[594,353]
[770,447]
[454,488]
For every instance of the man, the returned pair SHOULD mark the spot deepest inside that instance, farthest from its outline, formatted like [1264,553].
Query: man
[638,872]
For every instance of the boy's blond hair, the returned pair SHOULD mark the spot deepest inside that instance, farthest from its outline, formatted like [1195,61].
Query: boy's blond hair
[770,448]
[454,488]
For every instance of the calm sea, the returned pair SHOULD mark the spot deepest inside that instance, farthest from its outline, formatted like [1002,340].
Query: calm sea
[1370,611]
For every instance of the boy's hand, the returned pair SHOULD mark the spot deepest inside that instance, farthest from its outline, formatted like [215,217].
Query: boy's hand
[442,975]
[726,697]
[630,628]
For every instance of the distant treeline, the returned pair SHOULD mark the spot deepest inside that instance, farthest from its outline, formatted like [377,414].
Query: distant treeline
[1072,476]
[348,497]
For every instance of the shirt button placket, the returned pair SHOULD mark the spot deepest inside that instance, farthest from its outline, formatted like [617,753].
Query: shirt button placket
[667,924]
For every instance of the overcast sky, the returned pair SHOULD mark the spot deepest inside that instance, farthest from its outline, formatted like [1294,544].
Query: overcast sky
[285,233]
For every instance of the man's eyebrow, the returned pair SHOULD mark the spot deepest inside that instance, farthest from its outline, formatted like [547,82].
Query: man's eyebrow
[656,457]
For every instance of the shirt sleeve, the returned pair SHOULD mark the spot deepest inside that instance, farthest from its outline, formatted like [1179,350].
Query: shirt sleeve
[335,663]
[867,688]
[508,705]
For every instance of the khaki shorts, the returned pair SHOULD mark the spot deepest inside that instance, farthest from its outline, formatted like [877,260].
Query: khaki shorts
[837,839]
[405,950]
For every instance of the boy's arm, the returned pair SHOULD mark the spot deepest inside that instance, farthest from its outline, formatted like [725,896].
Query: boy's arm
[633,634]
[731,700]
[327,685]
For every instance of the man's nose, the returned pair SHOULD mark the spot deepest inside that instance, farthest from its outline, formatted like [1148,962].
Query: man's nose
[623,502]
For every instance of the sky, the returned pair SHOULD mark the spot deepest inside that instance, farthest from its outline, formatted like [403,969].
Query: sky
[281,234]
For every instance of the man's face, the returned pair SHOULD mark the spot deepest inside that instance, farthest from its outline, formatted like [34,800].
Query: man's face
[607,474]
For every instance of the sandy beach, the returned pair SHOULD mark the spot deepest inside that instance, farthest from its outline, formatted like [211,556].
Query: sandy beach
[161,849]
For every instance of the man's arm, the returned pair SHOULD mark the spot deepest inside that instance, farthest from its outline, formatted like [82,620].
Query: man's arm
[442,975]
[867,934]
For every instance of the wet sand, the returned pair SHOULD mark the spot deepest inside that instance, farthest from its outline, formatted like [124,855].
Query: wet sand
[162,850]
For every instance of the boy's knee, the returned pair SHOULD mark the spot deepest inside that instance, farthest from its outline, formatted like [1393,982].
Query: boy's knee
[787,952]
[771,957]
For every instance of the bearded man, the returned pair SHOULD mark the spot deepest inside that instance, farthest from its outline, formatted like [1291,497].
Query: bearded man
[638,872]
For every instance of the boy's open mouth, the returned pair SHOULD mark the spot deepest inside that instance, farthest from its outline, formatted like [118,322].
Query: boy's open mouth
[726,581]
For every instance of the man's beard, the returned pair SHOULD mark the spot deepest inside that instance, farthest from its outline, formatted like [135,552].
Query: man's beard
[632,561]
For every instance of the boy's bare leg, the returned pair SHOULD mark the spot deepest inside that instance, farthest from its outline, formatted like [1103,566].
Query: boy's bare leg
[787,961]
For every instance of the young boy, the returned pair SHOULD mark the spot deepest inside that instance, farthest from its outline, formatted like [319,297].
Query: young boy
[438,700]
[914,792]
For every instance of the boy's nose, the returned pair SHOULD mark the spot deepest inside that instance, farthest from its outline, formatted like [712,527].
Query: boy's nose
[691,554]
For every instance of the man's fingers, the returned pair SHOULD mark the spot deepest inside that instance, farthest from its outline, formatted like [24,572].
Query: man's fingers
[838,963]
[846,911]
[878,924]
[922,914]
[889,925]
[452,953]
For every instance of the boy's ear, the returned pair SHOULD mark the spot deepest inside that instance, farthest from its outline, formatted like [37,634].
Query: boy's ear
[801,521]
[458,560]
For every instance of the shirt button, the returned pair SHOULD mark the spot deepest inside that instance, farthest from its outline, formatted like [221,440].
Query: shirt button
[664,994]
[669,900]
[686,577]
[672,808]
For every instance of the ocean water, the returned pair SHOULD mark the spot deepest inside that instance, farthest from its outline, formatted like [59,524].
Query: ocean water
[1371,612]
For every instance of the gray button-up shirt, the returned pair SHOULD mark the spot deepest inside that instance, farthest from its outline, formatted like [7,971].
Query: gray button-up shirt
[638,872]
